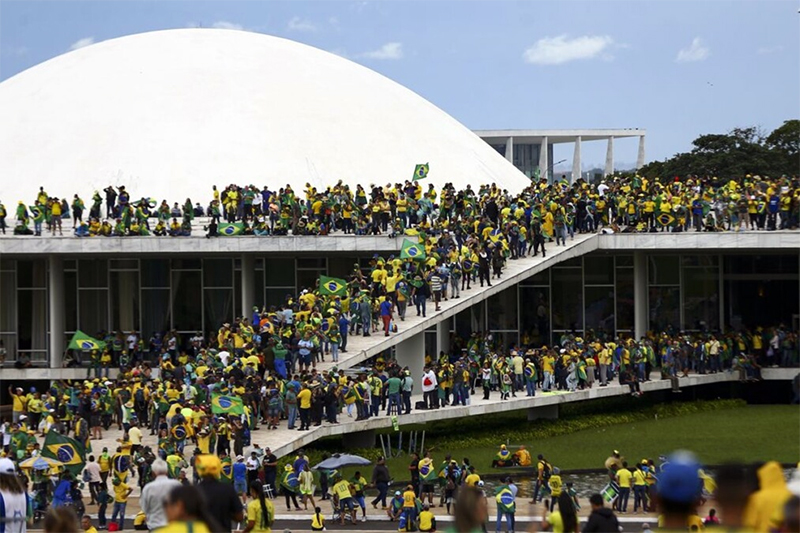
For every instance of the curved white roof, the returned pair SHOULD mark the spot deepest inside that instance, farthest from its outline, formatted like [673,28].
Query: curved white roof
[168,114]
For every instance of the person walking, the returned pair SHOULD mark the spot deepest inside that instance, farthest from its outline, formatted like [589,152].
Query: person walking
[601,519]
[380,480]
[155,493]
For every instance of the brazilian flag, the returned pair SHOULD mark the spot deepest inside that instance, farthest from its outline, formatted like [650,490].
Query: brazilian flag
[37,213]
[665,220]
[426,470]
[332,286]
[121,463]
[412,250]
[64,449]
[226,474]
[289,480]
[505,500]
[229,230]
[421,172]
[227,405]
[83,342]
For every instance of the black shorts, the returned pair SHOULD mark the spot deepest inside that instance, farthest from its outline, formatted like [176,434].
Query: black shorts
[427,487]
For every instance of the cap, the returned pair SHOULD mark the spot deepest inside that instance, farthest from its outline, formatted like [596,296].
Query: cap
[679,480]
[397,493]
[7,466]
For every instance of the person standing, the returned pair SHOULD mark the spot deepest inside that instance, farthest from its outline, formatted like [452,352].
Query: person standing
[270,464]
[386,315]
[380,480]
[304,402]
[155,493]
[93,470]
[221,501]
[13,499]
[429,388]
[407,388]
[601,519]
[624,477]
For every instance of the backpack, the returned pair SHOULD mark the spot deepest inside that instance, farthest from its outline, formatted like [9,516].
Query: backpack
[547,470]
[139,396]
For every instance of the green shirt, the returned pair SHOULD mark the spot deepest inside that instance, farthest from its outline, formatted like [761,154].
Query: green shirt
[393,385]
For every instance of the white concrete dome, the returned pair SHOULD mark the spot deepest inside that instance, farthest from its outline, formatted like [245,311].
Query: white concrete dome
[168,114]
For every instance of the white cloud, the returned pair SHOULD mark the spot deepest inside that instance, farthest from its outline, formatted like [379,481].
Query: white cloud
[298,24]
[696,51]
[770,49]
[225,25]
[561,49]
[387,51]
[80,43]
[15,51]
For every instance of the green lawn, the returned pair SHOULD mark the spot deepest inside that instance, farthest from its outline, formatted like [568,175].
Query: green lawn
[752,433]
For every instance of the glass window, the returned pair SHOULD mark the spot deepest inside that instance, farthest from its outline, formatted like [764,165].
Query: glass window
[308,278]
[278,272]
[155,312]
[664,306]
[124,264]
[218,307]
[31,274]
[699,260]
[8,305]
[761,264]
[502,310]
[341,267]
[125,300]
[93,311]
[187,301]
[600,309]
[312,262]
[753,303]
[277,297]
[664,269]
[9,341]
[624,260]
[535,316]
[469,320]
[258,288]
[625,299]
[93,273]
[8,264]
[598,269]
[187,264]
[218,273]
[430,344]
[540,278]
[70,301]
[155,273]
[574,262]
[701,298]
[567,299]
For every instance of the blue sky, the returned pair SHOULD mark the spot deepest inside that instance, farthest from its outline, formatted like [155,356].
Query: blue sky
[676,68]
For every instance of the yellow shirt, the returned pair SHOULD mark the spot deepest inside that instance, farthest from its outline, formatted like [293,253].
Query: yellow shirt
[91,529]
[304,398]
[409,499]
[184,527]
[472,479]
[425,521]
[121,493]
[639,477]
[254,514]
[342,489]
[624,478]
[19,402]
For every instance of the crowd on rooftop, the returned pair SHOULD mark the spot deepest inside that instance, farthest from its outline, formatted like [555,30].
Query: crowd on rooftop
[625,203]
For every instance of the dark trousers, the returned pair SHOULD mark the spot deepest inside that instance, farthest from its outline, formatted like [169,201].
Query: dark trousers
[383,488]
[406,402]
[305,418]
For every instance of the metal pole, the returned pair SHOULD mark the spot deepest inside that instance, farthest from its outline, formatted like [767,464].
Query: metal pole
[422,448]
[399,444]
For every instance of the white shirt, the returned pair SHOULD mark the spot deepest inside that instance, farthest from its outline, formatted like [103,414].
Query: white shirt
[152,500]
[132,341]
[94,472]
[429,381]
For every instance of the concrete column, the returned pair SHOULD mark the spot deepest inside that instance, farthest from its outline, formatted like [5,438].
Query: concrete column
[543,159]
[248,284]
[640,314]
[543,412]
[640,157]
[56,305]
[510,150]
[610,157]
[576,160]
[443,336]
[411,353]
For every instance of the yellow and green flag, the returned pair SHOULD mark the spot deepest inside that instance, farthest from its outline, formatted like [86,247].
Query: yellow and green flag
[421,172]
[412,250]
[64,449]
[83,342]
[666,220]
[222,404]
[332,286]
[229,230]
[37,213]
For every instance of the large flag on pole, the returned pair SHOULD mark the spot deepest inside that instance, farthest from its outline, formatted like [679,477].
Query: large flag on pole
[412,250]
[222,404]
[421,172]
[83,342]
[68,451]
[332,286]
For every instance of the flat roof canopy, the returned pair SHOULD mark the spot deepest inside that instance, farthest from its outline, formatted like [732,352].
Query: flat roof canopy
[560,136]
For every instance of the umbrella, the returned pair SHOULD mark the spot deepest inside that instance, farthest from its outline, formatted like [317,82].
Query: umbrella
[342,459]
[40,463]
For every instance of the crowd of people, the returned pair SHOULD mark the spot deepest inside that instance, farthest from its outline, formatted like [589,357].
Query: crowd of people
[631,202]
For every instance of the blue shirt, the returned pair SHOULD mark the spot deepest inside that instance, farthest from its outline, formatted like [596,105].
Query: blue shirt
[239,471]
[386,308]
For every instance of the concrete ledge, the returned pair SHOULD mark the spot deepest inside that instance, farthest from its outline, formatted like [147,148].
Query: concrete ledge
[21,374]
[691,240]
